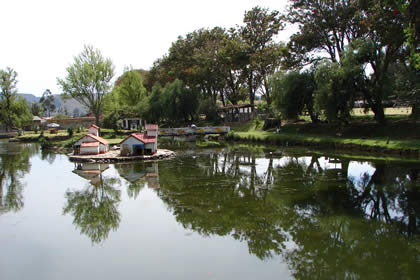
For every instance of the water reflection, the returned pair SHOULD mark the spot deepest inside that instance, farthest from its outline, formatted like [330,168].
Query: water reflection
[14,164]
[94,208]
[318,213]
[138,175]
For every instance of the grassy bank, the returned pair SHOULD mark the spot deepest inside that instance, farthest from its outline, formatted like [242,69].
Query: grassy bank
[63,139]
[397,136]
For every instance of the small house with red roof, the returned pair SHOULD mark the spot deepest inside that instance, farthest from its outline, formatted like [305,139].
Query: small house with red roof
[137,144]
[91,143]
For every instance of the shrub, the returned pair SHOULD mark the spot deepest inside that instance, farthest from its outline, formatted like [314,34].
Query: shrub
[70,131]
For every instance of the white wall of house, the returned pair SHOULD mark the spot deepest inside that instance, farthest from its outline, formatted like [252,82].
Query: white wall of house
[127,145]
[89,150]
[103,148]
[152,133]
[130,142]
[84,139]
[151,146]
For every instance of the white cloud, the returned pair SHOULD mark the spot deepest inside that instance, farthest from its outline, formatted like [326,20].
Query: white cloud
[40,38]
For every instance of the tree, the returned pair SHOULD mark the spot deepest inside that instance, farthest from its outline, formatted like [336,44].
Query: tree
[36,109]
[130,89]
[8,95]
[175,102]
[261,26]
[88,80]
[14,111]
[325,27]
[293,92]
[47,102]
[337,86]
[372,28]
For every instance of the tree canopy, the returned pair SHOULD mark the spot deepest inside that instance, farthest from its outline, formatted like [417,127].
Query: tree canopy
[14,110]
[88,79]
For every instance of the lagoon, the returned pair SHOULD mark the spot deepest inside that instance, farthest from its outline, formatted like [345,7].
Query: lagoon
[239,212]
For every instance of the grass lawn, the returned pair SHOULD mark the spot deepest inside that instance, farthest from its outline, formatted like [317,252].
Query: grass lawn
[397,134]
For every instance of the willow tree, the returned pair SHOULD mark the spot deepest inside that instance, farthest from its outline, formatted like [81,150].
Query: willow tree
[88,79]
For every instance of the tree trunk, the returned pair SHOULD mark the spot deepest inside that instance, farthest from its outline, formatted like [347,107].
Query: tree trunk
[97,117]
[378,110]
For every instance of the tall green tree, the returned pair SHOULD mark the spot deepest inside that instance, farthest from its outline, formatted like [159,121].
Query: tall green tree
[14,110]
[325,27]
[36,109]
[261,27]
[372,28]
[8,95]
[47,102]
[173,103]
[88,79]
[337,86]
[293,93]
[130,89]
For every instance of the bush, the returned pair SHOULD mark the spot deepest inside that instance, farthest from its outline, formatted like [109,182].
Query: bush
[70,131]
[45,142]
[36,129]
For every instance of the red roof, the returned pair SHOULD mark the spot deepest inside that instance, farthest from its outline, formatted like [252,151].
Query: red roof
[90,144]
[97,138]
[94,126]
[151,127]
[142,137]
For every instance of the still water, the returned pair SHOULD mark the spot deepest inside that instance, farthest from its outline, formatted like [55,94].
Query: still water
[234,213]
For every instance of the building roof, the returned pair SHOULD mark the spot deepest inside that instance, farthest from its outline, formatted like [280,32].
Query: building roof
[100,139]
[97,138]
[237,106]
[89,144]
[94,126]
[151,127]
[142,137]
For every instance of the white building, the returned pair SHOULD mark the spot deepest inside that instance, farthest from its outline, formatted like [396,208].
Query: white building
[140,143]
[91,143]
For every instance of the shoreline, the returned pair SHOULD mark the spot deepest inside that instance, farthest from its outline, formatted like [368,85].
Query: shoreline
[114,156]
[343,144]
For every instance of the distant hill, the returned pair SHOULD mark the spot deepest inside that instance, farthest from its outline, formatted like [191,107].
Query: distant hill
[71,106]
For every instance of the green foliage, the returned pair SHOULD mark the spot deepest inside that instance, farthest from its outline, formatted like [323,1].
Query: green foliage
[14,111]
[88,79]
[335,94]
[130,89]
[173,103]
[258,33]
[111,120]
[292,93]
[209,109]
[36,109]
[44,142]
[47,102]
[70,131]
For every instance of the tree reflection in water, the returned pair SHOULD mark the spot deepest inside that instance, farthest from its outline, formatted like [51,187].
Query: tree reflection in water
[95,208]
[14,164]
[324,222]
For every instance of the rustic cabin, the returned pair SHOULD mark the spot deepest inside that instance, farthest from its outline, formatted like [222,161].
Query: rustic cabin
[236,113]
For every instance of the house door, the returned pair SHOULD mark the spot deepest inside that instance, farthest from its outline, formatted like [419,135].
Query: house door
[138,150]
